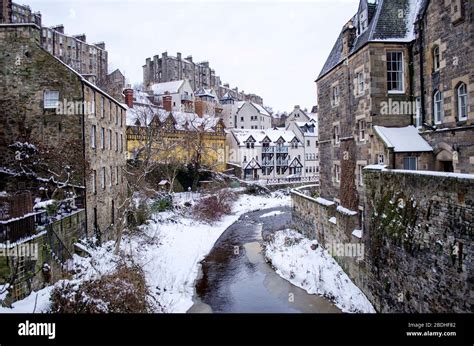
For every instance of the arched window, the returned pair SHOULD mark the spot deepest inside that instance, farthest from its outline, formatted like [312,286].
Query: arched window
[436,58]
[462,102]
[438,107]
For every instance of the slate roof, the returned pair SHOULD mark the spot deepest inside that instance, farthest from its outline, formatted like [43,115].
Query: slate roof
[385,25]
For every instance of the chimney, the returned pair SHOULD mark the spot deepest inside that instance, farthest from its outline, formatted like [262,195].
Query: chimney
[167,103]
[100,45]
[81,37]
[348,36]
[128,93]
[226,85]
[59,28]
[189,58]
[297,107]
[178,56]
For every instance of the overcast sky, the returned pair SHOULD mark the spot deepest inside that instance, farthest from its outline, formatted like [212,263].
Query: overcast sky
[274,49]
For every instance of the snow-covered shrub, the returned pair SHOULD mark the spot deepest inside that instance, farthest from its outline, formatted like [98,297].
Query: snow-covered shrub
[124,291]
[212,208]
[162,204]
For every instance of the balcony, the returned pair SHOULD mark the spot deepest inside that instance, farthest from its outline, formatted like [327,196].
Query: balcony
[282,150]
[268,150]
[268,163]
[282,162]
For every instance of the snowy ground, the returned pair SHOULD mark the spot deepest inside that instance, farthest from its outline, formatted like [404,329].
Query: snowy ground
[169,248]
[315,271]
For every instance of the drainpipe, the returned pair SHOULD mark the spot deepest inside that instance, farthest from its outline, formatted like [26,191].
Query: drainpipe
[85,158]
[422,79]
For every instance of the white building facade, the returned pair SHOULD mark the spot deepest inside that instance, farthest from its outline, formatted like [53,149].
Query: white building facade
[244,115]
[266,154]
[307,134]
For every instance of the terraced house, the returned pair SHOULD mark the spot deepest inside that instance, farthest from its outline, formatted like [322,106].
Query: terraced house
[63,150]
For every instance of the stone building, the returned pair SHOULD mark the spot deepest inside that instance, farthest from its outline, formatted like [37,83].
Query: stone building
[89,59]
[79,128]
[180,136]
[443,81]
[200,75]
[404,68]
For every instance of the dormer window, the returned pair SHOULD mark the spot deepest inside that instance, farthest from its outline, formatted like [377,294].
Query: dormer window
[363,22]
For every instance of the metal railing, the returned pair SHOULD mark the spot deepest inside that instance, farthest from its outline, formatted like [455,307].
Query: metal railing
[282,149]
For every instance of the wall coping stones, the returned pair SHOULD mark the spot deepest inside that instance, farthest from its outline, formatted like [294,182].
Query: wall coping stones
[428,173]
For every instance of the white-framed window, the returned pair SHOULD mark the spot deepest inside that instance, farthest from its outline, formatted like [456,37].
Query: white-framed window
[395,79]
[102,178]
[362,125]
[360,83]
[462,102]
[110,139]
[418,123]
[51,99]
[381,159]
[116,141]
[363,20]
[361,174]
[102,138]
[337,135]
[93,103]
[93,136]
[410,163]
[438,107]
[337,173]
[335,95]
[436,58]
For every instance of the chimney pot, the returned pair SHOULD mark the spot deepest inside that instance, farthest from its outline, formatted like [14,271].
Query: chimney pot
[128,93]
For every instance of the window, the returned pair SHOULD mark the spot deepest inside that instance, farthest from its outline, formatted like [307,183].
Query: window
[335,95]
[51,99]
[418,113]
[110,139]
[363,22]
[102,138]
[93,136]
[111,175]
[337,138]
[116,175]
[438,107]
[102,178]
[241,118]
[410,163]
[360,83]
[337,173]
[436,59]
[362,127]
[93,103]
[308,143]
[395,80]
[94,179]
[462,102]
[121,118]
[116,141]
[380,159]
[121,143]
[361,174]
[245,158]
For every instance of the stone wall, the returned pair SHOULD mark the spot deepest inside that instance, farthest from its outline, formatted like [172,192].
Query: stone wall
[418,239]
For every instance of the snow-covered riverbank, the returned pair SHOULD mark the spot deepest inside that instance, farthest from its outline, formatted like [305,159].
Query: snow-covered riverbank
[169,248]
[315,271]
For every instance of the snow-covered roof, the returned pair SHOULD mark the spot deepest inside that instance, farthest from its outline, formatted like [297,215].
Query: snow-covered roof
[183,120]
[171,87]
[206,92]
[259,108]
[242,135]
[385,25]
[402,139]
